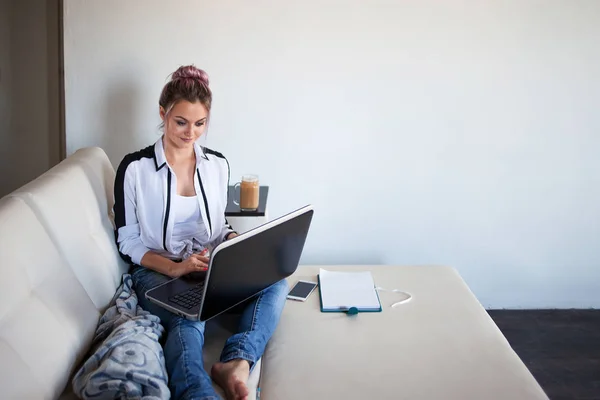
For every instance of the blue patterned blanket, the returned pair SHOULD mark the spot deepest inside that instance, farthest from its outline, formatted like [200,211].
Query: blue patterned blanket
[126,360]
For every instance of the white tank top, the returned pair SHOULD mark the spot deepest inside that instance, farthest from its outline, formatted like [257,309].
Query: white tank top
[188,229]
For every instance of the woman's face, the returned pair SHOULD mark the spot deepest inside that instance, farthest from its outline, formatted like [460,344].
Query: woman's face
[185,123]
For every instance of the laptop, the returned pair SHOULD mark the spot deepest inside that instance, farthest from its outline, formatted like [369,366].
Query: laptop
[239,269]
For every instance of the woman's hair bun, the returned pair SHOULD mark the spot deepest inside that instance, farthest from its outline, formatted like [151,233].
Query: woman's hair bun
[187,83]
[191,72]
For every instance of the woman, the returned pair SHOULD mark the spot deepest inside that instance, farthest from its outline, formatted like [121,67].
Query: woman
[170,203]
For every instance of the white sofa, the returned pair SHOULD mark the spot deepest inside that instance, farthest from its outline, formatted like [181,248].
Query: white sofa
[60,268]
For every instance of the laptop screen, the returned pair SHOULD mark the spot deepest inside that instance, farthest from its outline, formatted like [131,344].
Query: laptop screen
[258,259]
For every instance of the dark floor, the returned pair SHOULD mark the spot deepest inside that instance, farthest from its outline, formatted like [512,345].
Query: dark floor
[561,348]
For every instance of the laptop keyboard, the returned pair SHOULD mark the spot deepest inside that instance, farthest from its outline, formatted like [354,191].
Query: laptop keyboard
[190,298]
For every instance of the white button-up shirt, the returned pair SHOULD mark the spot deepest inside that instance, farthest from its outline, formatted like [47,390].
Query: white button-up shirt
[145,186]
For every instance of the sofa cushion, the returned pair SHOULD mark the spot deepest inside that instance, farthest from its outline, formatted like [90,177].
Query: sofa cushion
[73,201]
[46,316]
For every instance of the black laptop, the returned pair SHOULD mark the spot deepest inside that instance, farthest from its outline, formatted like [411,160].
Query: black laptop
[238,269]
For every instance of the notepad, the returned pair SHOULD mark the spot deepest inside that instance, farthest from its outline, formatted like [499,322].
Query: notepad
[342,290]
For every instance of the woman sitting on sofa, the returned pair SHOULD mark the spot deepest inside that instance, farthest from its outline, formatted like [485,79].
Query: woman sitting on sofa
[170,201]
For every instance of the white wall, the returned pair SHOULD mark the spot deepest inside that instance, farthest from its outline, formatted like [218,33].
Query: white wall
[5,94]
[463,133]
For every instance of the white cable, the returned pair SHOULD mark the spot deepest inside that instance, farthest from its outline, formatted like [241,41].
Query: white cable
[397,291]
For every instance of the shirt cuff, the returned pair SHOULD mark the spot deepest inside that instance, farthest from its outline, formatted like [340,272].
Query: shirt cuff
[137,253]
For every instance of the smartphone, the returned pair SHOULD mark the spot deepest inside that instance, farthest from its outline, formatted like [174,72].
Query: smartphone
[301,290]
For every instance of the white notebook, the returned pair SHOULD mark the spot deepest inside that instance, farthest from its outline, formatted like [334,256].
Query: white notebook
[342,290]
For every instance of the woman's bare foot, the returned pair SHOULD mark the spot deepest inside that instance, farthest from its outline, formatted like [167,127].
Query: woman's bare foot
[232,376]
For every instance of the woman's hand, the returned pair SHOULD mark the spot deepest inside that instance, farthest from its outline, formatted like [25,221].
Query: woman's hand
[194,263]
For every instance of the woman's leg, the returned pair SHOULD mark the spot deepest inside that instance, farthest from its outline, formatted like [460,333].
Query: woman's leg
[183,356]
[242,350]
[183,347]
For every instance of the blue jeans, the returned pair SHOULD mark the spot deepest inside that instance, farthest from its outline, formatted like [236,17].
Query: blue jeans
[185,338]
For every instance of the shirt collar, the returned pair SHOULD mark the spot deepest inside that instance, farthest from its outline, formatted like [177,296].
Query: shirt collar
[160,159]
